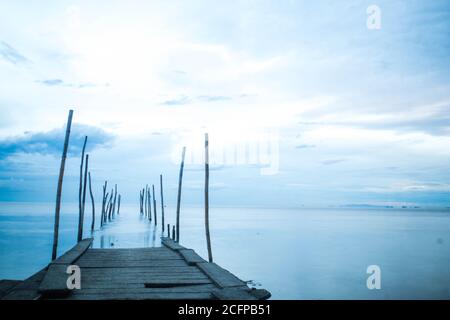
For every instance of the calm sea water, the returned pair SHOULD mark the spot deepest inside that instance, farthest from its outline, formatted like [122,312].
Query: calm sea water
[295,254]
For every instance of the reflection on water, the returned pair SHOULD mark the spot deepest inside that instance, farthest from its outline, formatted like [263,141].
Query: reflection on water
[295,254]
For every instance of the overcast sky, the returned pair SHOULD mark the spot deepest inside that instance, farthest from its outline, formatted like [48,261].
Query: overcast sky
[327,111]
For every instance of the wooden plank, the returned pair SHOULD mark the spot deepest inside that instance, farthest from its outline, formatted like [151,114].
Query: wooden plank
[22,294]
[233,293]
[191,257]
[169,243]
[27,289]
[120,251]
[142,290]
[223,278]
[141,276]
[138,270]
[106,285]
[7,285]
[162,283]
[142,296]
[73,254]
[131,264]
[55,280]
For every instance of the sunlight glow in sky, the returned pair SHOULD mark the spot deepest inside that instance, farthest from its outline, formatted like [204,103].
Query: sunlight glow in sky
[361,116]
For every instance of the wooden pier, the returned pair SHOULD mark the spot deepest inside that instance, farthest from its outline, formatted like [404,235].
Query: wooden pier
[167,272]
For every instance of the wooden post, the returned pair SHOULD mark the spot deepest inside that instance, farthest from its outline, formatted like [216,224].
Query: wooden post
[110,204]
[105,217]
[180,180]
[162,203]
[80,190]
[140,202]
[154,204]
[93,204]
[118,205]
[114,202]
[105,196]
[168,230]
[149,203]
[208,239]
[146,201]
[81,217]
[173,233]
[59,188]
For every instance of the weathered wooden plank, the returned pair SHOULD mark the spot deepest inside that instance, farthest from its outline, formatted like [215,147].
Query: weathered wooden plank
[143,296]
[122,250]
[233,293]
[191,257]
[7,285]
[27,289]
[130,250]
[55,280]
[143,279]
[151,283]
[187,288]
[138,276]
[22,294]
[169,243]
[163,283]
[139,271]
[131,264]
[202,288]
[73,254]
[223,278]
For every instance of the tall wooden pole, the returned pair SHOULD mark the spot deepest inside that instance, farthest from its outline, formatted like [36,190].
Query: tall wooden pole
[102,218]
[149,203]
[154,204]
[80,190]
[110,205]
[59,188]
[118,205]
[208,238]
[180,181]
[115,200]
[162,202]
[146,201]
[81,217]
[93,204]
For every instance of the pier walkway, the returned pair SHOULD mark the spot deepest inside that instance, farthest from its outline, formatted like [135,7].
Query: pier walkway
[167,272]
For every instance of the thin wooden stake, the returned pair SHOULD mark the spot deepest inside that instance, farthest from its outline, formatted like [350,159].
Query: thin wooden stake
[106,208]
[81,217]
[146,201]
[208,239]
[154,204]
[118,205]
[180,181]
[162,202]
[115,199]
[110,205]
[168,230]
[105,196]
[149,203]
[93,204]
[80,190]
[59,188]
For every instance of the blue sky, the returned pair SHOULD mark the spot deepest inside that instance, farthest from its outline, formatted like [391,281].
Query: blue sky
[350,115]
